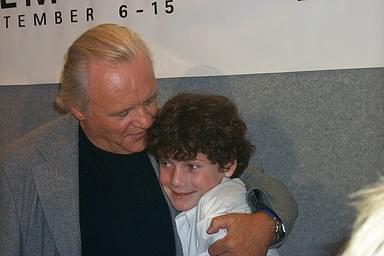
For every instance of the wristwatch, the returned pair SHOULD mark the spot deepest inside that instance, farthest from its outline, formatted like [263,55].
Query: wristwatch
[280,232]
[255,204]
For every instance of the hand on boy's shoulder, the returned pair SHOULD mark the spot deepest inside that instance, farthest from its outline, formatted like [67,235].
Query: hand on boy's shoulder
[247,234]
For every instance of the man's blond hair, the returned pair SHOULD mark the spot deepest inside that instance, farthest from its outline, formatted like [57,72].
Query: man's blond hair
[108,42]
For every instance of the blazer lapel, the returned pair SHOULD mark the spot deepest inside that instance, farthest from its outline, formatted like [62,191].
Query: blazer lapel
[58,187]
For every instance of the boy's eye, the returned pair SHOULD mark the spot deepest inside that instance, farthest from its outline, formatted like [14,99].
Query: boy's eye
[193,166]
[164,163]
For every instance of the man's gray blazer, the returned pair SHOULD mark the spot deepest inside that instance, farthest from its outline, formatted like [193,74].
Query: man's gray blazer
[39,193]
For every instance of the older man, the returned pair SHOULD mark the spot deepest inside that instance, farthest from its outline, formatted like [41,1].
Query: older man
[84,184]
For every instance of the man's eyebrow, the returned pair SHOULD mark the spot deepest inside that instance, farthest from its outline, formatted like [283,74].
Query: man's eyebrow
[148,100]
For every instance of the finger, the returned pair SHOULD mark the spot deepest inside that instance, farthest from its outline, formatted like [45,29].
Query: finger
[223,254]
[220,222]
[219,248]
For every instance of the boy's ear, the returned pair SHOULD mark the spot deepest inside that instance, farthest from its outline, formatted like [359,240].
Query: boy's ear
[230,168]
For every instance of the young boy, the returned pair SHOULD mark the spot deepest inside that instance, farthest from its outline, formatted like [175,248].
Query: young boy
[200,143]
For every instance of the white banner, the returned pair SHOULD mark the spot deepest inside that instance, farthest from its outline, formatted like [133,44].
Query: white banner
[197,38]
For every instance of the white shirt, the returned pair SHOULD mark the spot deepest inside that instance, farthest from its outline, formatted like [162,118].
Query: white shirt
[192,225]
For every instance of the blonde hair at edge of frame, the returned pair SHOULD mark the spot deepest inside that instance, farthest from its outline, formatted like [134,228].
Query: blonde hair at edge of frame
[108,42]
[368,231]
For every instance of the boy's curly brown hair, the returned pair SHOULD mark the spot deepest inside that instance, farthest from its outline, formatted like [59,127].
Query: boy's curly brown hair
[191,123]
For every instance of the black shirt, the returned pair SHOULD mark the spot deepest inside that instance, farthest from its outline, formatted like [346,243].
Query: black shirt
[122,208]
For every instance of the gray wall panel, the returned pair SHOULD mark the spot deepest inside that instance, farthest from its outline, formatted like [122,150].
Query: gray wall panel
[320,132]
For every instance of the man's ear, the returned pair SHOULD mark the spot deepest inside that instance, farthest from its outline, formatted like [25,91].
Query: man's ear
[230,168]
[77,113]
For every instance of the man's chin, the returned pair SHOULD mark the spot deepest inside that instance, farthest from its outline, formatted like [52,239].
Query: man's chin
[136,148]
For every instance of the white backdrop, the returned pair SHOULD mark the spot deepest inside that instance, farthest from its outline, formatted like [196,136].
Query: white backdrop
[198,38]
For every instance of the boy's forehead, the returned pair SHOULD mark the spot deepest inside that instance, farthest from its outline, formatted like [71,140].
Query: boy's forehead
[185,157]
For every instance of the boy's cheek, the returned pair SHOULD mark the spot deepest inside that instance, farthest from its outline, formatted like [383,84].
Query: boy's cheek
[163,178]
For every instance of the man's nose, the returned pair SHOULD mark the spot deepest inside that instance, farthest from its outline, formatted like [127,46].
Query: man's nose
[143,117]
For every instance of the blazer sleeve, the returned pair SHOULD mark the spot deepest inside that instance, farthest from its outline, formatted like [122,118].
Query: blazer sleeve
[271,193]
[10,234]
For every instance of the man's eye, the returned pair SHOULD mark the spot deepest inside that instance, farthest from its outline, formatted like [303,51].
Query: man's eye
[123,114]
[150,101]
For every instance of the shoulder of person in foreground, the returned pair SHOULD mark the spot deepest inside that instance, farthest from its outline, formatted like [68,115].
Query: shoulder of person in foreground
[367,235]
[267,192]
